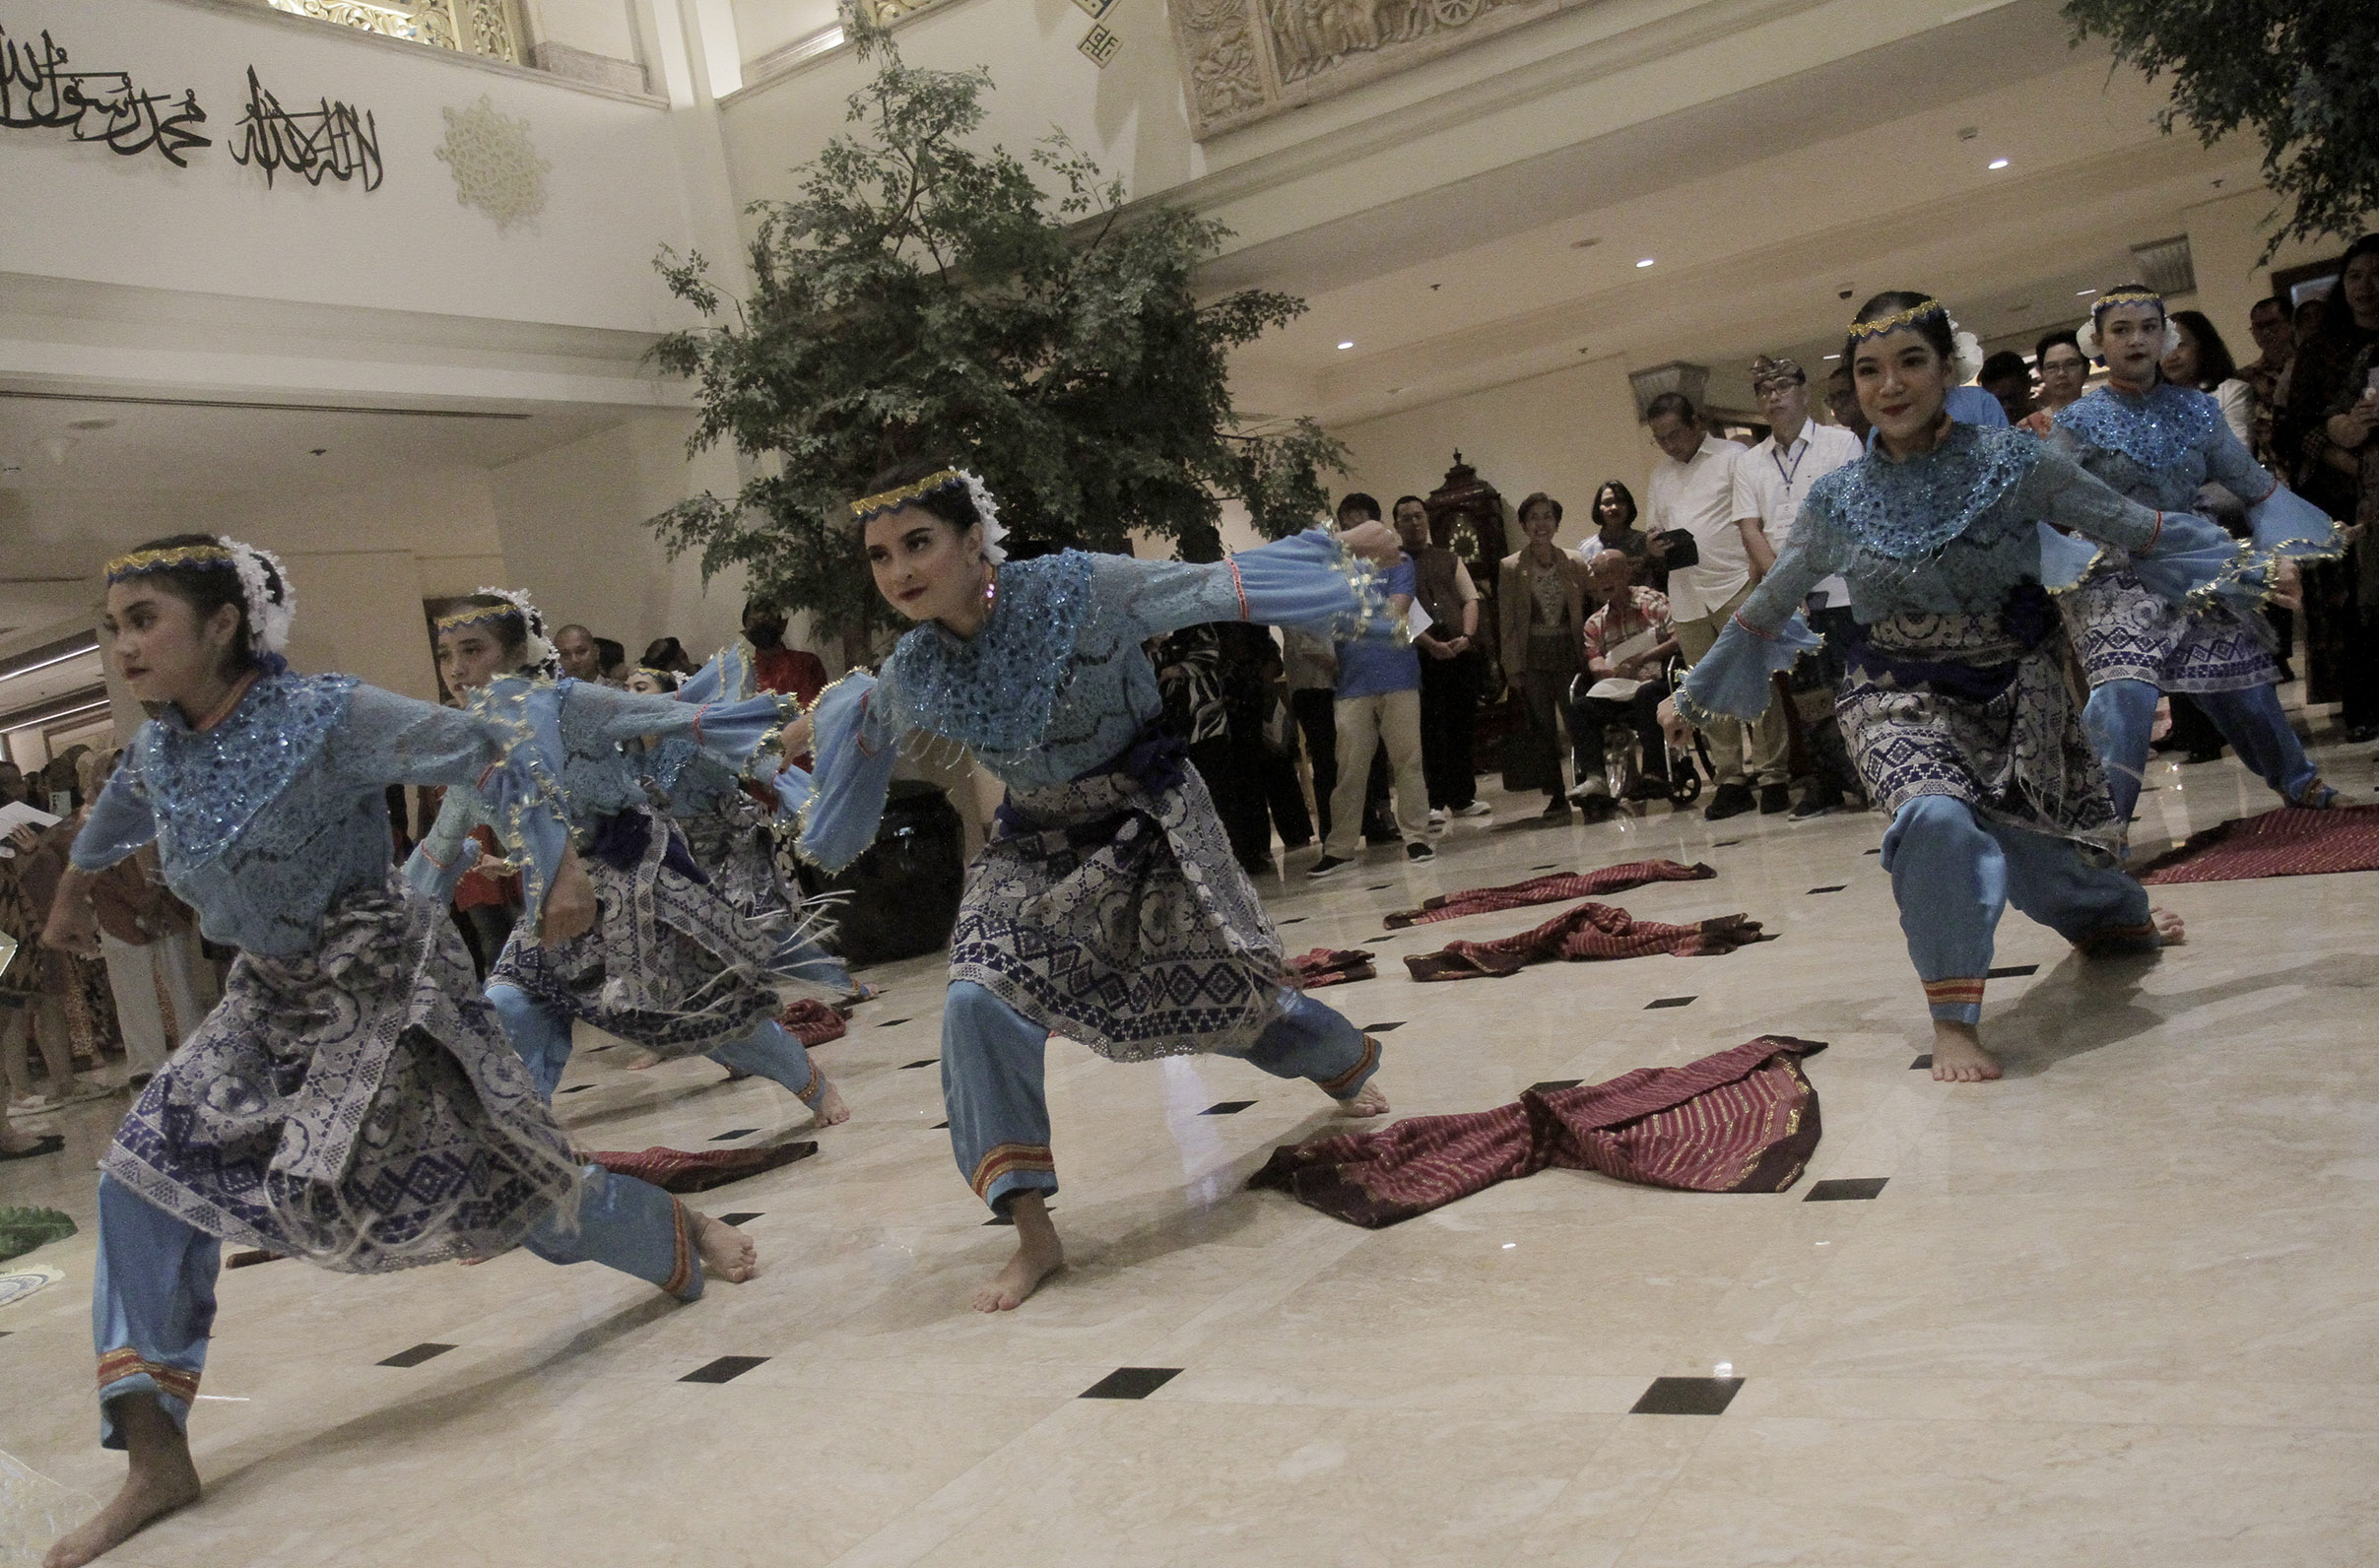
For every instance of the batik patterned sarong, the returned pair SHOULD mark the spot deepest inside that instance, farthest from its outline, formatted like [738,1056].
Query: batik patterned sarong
[668,963]
[356,1105]
[1112,912]
[2124,632]
[1977,708]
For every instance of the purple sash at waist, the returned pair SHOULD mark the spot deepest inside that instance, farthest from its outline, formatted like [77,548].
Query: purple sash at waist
[2028,617]
[620,838]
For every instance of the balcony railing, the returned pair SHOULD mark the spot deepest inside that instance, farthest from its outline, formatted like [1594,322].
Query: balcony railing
[490,28]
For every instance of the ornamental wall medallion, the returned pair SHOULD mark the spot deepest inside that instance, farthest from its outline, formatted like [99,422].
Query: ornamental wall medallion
[1247,59]
[495,164]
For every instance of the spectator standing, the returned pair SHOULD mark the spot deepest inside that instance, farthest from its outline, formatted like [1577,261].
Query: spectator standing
[668,654]
[1542,600]
[1628,642]
[776,666]
[1310,667]
[2065,372]
[2276,344]
[1694,492]
[1615,529]
[2201,359]
[2008,379]
[581,660]
[1451,667]
[1771,484]
[2329,420]
[1378,704]
[1842,402]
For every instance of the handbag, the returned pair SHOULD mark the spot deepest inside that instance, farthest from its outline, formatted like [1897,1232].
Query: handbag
[1674,547]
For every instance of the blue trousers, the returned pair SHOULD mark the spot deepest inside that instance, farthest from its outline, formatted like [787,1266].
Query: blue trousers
[542,1036]
[803,958]
[992,1062]
[152,1289]
[2121,713]
[1953,873]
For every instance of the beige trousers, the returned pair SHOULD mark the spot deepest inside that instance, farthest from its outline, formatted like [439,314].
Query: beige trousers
[1362,724]
[1739,752]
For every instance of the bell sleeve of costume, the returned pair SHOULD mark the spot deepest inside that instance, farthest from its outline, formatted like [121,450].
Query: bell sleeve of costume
[1308,581]
[855,738]
[119,823]
[2280,521]
[739,734]
[393,740]
[2179,557]
[1768,634]
[447,852]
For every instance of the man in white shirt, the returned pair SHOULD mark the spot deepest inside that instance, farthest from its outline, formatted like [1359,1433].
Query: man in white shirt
[1693,489]
[1770,483]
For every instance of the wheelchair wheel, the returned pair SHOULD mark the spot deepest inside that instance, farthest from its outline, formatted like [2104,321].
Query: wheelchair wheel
[1685,785]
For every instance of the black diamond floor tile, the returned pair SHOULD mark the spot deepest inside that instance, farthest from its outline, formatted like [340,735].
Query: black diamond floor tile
[1550,1085]
[890,1022]
[418,1354]
[2015,971]
[1876,851]
[1726,843]
[1687,1396]
[1293,919]
[928,1062]
[726,1369]
[578,1088]
[1226,1107]
[1551,864]
[1131,1383]
[1382,1028]
[738,1218]
[1845,1189]
[1834,888]
[938,1126]
[1922,1062]
[734,1133]
[1668,1002]
[1380,887]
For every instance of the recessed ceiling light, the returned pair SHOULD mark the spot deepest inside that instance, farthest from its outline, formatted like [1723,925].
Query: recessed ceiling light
[1997,163]
[1833,357]
[2079,293]
[1348,344]
[1646,262]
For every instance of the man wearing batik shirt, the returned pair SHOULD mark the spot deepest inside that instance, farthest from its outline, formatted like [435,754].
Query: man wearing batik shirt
[1770,483]
[1629,641]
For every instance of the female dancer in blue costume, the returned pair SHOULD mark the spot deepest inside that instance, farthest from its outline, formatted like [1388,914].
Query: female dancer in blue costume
[1108,908]
[2157,444]
[351,1100]
[1956,708]
[667,964]
[730,836]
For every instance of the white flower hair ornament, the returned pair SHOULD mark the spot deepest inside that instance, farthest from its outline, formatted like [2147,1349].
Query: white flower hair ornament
[1965,351]
[269,614]
[2086,335]
[987,511]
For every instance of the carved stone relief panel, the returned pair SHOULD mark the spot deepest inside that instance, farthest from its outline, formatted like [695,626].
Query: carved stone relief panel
[1247,59]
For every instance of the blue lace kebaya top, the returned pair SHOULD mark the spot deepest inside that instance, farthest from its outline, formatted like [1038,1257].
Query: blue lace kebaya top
[2159,445]
[1054,683]
[688,779]
[1948,531]
[267,820]
[575,731]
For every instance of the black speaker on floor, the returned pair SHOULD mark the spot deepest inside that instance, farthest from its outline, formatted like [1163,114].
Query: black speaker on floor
[900,898]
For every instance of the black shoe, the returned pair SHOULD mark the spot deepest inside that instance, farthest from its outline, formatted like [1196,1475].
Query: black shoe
[1327,866]
[1416,851]
[2209,753]
[1556,806]
[2356,734]
[1732,800]
[1817,802]
[1651,787]
[1774,798]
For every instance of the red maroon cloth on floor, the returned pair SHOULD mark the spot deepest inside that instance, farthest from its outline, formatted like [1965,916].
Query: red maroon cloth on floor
[1552,889]
[2289,841]
[1590,931]
[1741,1121]
[1332,966]
[811,1023]
[682,1170]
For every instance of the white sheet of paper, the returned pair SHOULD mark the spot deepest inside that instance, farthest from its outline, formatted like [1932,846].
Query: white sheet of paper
[16,814]
[1614,689]
[1642,642]
[1418,620]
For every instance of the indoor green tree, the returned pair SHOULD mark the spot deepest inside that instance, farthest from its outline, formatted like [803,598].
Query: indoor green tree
[922,297]
[2302,74]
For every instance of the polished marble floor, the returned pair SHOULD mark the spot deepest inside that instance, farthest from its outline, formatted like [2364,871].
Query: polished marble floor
[2121,1308]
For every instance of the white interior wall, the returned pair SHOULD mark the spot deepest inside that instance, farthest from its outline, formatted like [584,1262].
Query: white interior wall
[360,613]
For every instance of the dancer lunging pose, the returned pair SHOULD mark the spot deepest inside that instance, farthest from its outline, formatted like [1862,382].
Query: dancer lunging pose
[668,963]
[1108,908]
[2157,444]
[351,1100]
[1956,708]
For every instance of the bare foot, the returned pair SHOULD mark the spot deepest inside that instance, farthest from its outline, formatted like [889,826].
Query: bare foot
[727,1252]
[161,1480]
[1366,1101]
[829,1110]
[641,1061]
[2168,927]
[1037,1256]
[1959,1056]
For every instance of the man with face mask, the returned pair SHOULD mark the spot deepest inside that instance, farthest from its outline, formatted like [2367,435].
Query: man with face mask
[776,667]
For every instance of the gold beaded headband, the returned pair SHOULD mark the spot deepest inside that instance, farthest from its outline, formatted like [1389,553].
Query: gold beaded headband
[148,561]
[2127,296]
[888,500]
[657,675]
[479,615]
[1861,331]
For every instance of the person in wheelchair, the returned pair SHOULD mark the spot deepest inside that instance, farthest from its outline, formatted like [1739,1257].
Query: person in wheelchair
[1630,642]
